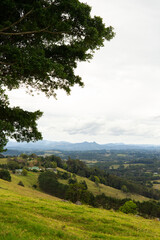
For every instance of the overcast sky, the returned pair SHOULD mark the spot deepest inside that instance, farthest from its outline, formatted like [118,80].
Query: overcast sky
[121,98]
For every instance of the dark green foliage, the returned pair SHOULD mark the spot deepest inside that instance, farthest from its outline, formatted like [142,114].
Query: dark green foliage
[30,48]
[94,174]
[24,156]
[72,180]
[63,175]
[21,183]
[77,192]
[16,123]
[84,184]
[48,183]
[109,202]
[5,175]
[4,166]
[78,167]
[149,208]
[12,165]
[137,165]
[41,43]
[48,161]
[99,176]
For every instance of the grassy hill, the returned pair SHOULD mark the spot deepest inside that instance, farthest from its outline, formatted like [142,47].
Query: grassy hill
[28,181]
[31,179]
[27,214]
[107,190]
[157,186]
[3,160]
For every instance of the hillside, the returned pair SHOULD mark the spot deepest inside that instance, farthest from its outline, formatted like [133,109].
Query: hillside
[31,179]
[107,190]
[27,214]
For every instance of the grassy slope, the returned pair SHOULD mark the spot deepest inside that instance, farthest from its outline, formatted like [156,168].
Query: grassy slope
[27,214]
[108,191]
[157,186]
[28,180]
[3,160]
[31,179]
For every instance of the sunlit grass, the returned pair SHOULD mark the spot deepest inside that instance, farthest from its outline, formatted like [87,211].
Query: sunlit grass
[27,214]
[3,160]
[28,181]
[157,186]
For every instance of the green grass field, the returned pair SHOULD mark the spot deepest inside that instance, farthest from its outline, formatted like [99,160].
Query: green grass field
[27,214]
[28,180]
[157,186]
[3,160]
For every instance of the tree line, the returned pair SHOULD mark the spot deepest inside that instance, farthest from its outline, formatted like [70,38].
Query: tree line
[80,168]
[78,191]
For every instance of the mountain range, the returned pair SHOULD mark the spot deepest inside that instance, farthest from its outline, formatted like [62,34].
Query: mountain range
[67,146]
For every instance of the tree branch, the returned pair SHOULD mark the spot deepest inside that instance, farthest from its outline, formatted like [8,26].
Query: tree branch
[13,24]
[30,32]
[4,63]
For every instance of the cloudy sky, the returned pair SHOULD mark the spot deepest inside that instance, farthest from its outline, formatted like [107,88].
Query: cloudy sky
[121,98]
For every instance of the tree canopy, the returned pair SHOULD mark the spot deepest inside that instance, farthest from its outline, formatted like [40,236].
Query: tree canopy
[41,42]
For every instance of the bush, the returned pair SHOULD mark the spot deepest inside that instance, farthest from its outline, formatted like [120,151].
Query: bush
[21,183]
[5,175]
[129,207]
[12,165]
[72,181]
[24,172]
[124,188]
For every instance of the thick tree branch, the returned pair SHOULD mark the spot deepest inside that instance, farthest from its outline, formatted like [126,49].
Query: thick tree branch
[29,32]
[13,24]
[4,63]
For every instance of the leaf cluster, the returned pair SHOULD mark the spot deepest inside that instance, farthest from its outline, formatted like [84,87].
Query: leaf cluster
[42,41]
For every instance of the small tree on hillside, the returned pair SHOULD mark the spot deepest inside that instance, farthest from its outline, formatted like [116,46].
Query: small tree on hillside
[129,207]
[21,183]
[24,172]
[5,175]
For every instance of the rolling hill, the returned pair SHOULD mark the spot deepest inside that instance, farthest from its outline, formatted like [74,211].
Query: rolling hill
[27,214]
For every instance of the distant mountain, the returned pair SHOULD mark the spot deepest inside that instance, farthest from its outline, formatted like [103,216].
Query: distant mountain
[67,146]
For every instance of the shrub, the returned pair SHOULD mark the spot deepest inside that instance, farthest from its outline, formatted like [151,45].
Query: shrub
[5,175]
[24,172]
[12,165]
[72,181]
[124,188]
[21,183]
[129,207]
